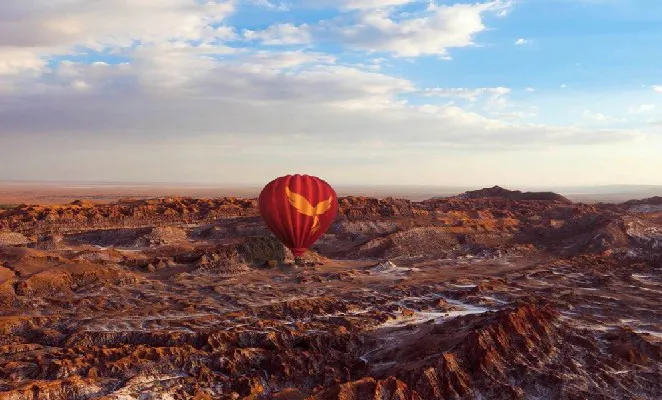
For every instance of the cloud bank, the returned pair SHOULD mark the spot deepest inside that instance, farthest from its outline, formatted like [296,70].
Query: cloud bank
[94,73]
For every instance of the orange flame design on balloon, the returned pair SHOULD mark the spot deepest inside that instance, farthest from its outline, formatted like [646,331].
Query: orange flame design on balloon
[303,206]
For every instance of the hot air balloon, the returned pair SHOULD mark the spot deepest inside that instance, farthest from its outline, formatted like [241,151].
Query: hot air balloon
[298,209]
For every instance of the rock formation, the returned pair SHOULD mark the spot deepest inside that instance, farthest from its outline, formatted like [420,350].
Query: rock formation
[494,295]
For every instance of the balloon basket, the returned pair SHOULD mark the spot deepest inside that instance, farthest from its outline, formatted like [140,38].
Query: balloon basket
[299,261]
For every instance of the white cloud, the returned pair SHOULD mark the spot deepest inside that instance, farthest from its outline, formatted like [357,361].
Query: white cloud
[642,109]
[288,59]
[178,83]
[514,115]
[563,85]
[467,93]
[521,41]
[436,31]
[225,33]
[353,5]
[15,60]
[281,34]
[442,28]
[657,88]
[588,114]
[530,89]
[80,85]
[370,4]
[171,65]
[271,5]
[600,117]
[32,30]
[175,94]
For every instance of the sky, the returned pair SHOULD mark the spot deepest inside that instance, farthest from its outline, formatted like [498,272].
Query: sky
[464,93]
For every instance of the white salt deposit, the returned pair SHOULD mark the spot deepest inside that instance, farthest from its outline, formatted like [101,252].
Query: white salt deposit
[492,298]
[437,316]
[653,333]
[140,384]
[646,208]
[389,268]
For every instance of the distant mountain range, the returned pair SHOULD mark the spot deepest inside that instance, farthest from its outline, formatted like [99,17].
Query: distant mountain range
[499,192]
[74,190]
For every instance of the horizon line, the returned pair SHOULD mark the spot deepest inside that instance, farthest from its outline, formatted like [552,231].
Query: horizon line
[221,185]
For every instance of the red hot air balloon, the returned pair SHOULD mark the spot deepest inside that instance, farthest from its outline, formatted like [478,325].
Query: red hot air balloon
[298,209]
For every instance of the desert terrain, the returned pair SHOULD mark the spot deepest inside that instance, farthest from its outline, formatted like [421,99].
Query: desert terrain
[490,294]
[13,193]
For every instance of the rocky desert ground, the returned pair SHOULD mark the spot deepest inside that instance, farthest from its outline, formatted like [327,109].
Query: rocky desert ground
[492,294]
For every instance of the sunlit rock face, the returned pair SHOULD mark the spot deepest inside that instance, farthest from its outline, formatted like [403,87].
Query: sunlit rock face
[493,295]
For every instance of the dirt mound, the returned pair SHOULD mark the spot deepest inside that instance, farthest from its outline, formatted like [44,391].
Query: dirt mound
[360,207]
[37,275]
[643,232]
[603,232]
[608,236]
[79,216]
[310,258]
[128,237]
[71,277]
[229,265]
[164,235]
[13,239]
[131,237]
[369,389]
[426,242]
[388,267]
[363,228]
[50,242]
[649,205]
[256,250]
[499,192]
[73,388]
[301,308]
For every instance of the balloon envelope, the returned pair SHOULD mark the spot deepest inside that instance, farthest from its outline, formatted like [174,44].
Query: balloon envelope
[298,209]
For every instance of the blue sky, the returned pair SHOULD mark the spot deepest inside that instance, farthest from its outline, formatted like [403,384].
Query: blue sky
[527,92]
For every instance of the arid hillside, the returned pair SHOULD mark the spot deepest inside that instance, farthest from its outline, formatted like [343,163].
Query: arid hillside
[493,294]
